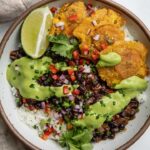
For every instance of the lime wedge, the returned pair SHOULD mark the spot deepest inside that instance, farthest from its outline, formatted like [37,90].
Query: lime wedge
[34,32]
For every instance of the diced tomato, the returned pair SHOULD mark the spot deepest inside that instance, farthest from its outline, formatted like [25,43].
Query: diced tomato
[65,90]
[85,47]
[103,46]
[71,63]
[24,100]
[48,131]
[95,51]
[95,54]
[55,77]
[47,109]
[76,92]
[85,52]
[95,57]
[53,10]
[53,69]
[75,54]
[81,61]
[87,62]
[70,71]
[73,18]
[73,78]
[31,107]
[81,68]
[44,137]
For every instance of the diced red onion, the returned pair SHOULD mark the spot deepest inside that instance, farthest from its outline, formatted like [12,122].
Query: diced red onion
[71,97]
[66,81]
[62,77]
[77,107]
[60,24]
[62,27]
[63,112]
[80,110]
[94,23]
[56,115]
[87,69]
[43,105]
[96,37]
[88,32]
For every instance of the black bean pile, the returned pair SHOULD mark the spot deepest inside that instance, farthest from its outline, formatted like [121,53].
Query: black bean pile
[17,54]
[118,123]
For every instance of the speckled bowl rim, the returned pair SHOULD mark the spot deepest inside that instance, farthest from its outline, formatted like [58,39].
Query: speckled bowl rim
[44,2]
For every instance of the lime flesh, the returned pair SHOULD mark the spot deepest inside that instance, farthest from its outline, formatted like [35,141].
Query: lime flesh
[34,32]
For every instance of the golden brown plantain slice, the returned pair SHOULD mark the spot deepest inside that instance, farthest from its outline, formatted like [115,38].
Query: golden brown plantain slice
[108,16]
[133,56]
[109,34]
[70,14]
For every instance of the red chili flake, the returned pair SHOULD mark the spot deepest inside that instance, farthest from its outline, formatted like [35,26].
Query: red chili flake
[73,18]
[76,92]
[76,54]
[70,71]
[53,69]
[53,10]
[66,90]
[55,77]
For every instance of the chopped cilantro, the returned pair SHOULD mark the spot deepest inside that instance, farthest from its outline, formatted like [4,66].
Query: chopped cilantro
[32,86]
[36,71]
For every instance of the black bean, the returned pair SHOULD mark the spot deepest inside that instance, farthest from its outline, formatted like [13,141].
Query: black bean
[115,130]
[121,126]
[111,136]
[113,124]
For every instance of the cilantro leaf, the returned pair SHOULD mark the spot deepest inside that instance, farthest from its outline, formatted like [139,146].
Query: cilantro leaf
[62,45]
[77,139]
[63,50]
[59,39]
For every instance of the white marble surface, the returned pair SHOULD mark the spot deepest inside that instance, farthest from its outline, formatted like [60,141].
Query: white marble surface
[142,9]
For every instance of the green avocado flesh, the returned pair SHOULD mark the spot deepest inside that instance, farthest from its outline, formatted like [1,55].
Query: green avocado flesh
[23,73]
[108,60]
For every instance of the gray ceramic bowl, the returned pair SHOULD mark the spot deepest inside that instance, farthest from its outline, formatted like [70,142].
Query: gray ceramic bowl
[8,109]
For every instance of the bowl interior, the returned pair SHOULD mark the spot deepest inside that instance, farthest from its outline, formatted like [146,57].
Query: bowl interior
[8,101]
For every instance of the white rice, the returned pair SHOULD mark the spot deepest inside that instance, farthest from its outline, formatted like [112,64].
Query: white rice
[33,118]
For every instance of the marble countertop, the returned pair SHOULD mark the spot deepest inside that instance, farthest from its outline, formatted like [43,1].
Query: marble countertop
[9,142]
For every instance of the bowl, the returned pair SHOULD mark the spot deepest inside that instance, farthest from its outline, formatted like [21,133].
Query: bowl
[8,108]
